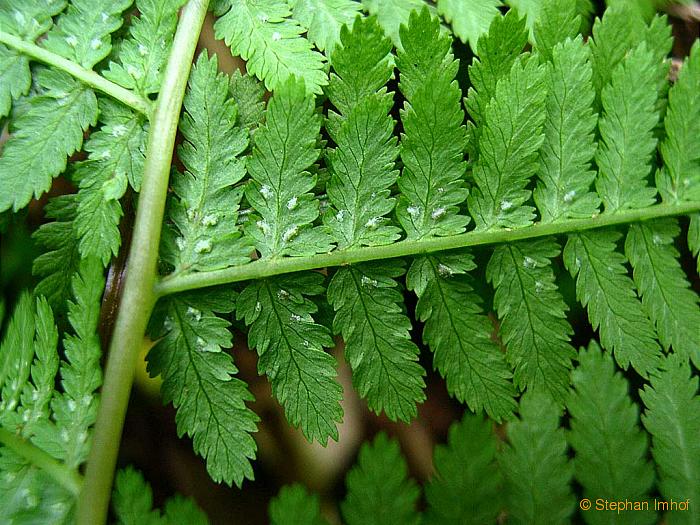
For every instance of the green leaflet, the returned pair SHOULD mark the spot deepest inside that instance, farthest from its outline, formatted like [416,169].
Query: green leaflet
[565,174]
[280,187]
[469,20]
[61,256]
[263,33]
[392,14]
[15,78]
[694,237]
[324,19]
[509,144]
[132,501]
[680,178]
[534,327]
[377,341]
[142,55]
[666,293]
[558,21]
[529,9]
[433,139]
[535,464]
[379,489]
[248,94]
[82,33]
[29,19]
[626,127]
[459,334]
[198,378]
[362,164]
[610,447]
[466,487]
[295,506]
[49,131]
[672,418]
[291,349]
[602,285]
[116,157]
[204,207]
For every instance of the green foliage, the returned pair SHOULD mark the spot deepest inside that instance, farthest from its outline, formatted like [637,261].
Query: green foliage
[469,20]
[15,78]
[29,19]
[264,34]
[610,447]
[295,506]
[324,19]
[557,23]
[248,94]
[536,467]
[379,489]
[392,14]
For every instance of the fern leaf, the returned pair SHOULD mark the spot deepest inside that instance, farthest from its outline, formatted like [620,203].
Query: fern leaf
[43,137]
[627,133]
[285,147]
[459,334]
[558,22]
[535,464]
[694,237]
[61,256]
[528,9]
[533,316]
[377,341]
[610,447]
[565,174]
[324,19]
[183,511]
[392,14]
[362,164]
[83,32]
[295,506]
[602,285]
[673,420]
[509,144]
[204,210]
[680,149]
[466,487]
[198,377]
[15,78]
[379,489]
[116,157]
[291,349]
[142,55]
[247,92]
[469,20]
[29,19]
[263,33]
[666,293]
[433,139]
[132,499]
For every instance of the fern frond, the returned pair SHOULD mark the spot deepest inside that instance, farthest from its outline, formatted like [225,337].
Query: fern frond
[433,139]
[672,418]
[198,378]
[15,78]
[509,144]
[528,9]
[141,56]
[680,178]
[565,175]
[469,20]
[378,346]
[392,14]
[459,334]
[626,126]
[379,489]
[291,349]
[295,506]
[247,92]
[44,136]
[666,293]
[602,285]
[533,316]
[558,22]
[83,32]
[610,447]
[466,487]
[204,210]
[537,470]
[362,164]
[694,237]
[263,33]
[285,147]
[116,157]
[324,19]
[29,19]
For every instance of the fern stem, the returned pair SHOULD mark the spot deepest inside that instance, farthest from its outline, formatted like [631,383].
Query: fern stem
[270,267]
[87,76]
[64,476]
[138,296]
